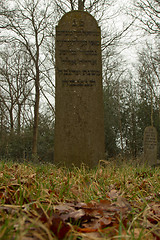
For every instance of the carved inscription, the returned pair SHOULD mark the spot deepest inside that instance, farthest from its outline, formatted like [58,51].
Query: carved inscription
[77,33]
[150,138]
[150,141]
[78,61]
[80,83]
[72,42]
[150,145]
[79,122]
[79,72]
[77,52]
[73,46]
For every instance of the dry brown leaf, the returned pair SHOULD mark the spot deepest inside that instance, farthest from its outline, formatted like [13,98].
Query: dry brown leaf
[92,235]
[87,230]
[1,175]
[113,194]
[59,227]
[147,235]
[123,203]
[76,215]
[62,208]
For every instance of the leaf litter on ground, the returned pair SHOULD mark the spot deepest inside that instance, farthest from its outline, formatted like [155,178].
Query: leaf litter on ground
[45,202]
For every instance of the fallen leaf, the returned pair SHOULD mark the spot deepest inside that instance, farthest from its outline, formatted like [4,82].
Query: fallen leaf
[92,235]
[104,222]
[87,230]
[123,203]
[59,227]
[105,203]
[1,175]
[74,215]
[113,194]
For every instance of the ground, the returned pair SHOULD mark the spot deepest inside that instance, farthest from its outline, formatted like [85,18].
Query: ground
[113,201]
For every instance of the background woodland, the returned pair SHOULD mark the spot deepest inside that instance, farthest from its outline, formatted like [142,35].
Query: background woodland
[131,74]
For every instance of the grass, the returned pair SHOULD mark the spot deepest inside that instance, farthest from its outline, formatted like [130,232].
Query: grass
[40,201]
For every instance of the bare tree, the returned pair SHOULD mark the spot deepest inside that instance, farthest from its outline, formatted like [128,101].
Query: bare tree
[15,83]
[81,4]
[96,7]
[28,21]
[148,12]
[149,75]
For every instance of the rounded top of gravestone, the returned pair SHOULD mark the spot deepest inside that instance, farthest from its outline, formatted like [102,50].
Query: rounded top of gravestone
[150,128]
[85,19]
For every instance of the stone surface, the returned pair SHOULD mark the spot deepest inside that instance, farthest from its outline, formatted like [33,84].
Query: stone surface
[150,146]
[79,124]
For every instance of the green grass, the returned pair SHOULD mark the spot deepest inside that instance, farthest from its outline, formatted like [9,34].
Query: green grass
[29,193]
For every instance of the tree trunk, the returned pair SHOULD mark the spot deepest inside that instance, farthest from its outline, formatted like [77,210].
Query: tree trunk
[151,108]
[37,97]
[121,134]
[81,5]
[1,133]
[134,137]
[11,119]
[19,119]
[36,113]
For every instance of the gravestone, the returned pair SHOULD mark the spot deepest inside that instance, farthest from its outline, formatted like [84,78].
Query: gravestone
[79,123]
[150,146]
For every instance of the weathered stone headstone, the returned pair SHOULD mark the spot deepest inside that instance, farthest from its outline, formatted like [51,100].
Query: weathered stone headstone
[79,124]
[150,146]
